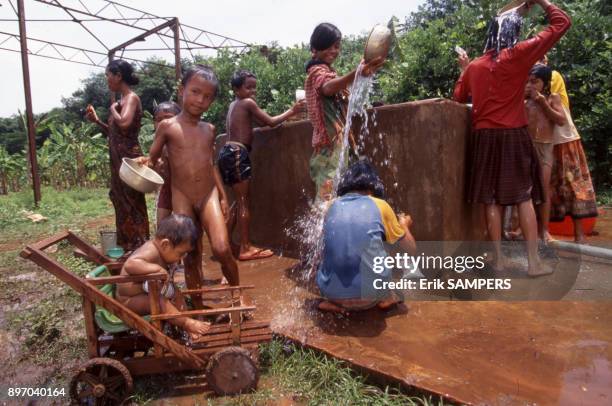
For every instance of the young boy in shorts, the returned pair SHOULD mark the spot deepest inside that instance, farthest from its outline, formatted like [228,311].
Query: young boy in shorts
[197,190]
[175,237]
[234,162]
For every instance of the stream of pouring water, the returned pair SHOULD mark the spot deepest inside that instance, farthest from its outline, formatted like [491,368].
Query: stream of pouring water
[310,226]
[308,229]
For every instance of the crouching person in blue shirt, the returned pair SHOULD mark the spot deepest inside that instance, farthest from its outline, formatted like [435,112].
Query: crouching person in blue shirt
[357,225]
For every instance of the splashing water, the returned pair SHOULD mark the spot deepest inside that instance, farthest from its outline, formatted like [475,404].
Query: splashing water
[359,100]
[508,30]
[309,228]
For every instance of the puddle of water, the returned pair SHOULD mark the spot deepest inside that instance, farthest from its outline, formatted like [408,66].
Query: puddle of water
[590,383]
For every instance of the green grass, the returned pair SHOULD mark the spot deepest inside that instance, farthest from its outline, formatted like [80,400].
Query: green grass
[65,209]
[298,375]
[49,320]
[317,379]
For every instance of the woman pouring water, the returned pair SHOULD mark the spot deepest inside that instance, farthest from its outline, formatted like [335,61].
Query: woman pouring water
[122,130]
[327,104]
[504,169]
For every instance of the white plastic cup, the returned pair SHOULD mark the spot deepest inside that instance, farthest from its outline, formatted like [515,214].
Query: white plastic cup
[300,94]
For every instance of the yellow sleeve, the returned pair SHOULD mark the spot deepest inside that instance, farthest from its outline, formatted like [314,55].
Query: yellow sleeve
[393,229]
[557,85]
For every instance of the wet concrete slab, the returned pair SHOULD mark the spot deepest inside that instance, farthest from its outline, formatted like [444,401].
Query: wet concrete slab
[493,353]
[482,353]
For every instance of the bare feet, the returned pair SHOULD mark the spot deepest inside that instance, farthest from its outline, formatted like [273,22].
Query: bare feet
[196,328]
[539,268]
[547,238]
[327,306]
[255,253]
[513,235]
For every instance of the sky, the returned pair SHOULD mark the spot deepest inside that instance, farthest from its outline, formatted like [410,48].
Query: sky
[256,21]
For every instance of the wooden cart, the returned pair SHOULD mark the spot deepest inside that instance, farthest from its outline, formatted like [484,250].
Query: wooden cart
[227,353]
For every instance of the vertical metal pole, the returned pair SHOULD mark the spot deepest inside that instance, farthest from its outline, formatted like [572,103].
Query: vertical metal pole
[177,49]
[111,56]
[177,56]
[31,129]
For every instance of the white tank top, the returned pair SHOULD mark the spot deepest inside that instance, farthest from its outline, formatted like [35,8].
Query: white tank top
[567,132]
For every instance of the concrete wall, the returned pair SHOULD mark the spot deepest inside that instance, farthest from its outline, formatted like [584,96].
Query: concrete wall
[419,149]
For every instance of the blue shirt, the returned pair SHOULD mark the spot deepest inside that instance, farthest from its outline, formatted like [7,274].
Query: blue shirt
[354,230]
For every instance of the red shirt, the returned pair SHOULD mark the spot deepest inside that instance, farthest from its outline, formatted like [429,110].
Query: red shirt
[497,85]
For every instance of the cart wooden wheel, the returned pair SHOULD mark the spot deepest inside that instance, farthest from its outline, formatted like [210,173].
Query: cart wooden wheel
[232,371]
[101,381]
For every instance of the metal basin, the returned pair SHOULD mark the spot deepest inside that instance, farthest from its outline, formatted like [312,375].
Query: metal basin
[378,43]
[519,5]
[139,177]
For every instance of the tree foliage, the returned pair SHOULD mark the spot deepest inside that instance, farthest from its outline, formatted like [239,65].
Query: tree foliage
[422,65]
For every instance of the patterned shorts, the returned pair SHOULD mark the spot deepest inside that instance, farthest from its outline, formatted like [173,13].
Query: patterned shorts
[234,163]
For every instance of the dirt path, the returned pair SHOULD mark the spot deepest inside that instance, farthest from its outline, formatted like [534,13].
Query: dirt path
[95,224]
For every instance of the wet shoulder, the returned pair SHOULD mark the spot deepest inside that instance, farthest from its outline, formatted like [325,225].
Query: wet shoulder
[207,130]
[246,102]
[170,126]
[206,127]
[147,252]
[355,203]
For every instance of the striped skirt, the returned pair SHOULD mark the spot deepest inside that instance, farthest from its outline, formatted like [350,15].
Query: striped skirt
[504,168]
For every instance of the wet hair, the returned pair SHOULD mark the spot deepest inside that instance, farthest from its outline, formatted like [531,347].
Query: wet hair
[205,72]
[167,107]
[239,77]
[125,69]
[324,36]
[361,176]
[544,73]
[178,228]
[504,31]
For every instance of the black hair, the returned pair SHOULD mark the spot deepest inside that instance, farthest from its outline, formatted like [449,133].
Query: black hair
[125,69]
[167,107]
[205,72]
[239,77]
[178,228]
[544,73]
[324,36]
[504,31]
[361,176]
